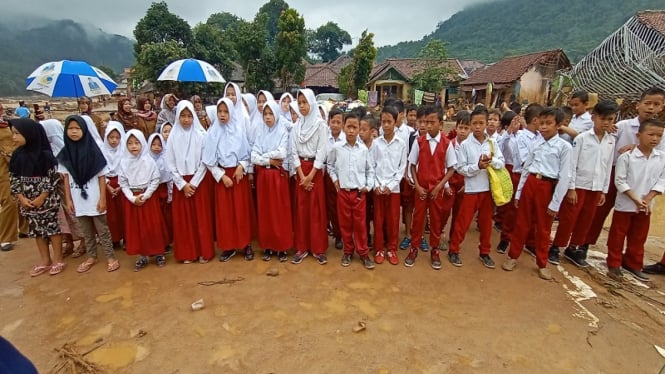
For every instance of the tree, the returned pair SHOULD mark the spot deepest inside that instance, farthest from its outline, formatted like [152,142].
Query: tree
[291,48]
[224,21]
[269,15]
[160,25]
[363,59]
[154,57]
[328,40]
[432,78]
[356,75]
[256,58]
[209,45]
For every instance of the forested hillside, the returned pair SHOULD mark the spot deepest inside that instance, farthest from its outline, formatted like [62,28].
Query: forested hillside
[491,31]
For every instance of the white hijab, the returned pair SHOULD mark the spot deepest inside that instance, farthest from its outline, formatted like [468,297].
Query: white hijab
[113,155]
[268,97]
[225,141]
[55,133]
[255,118]
[270,137]
[284,96]
[185,144]
[309,124]
[92,129]
[137,169]
[325,112]
[164,174]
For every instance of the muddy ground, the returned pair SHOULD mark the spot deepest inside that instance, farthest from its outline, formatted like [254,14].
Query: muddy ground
[418,320]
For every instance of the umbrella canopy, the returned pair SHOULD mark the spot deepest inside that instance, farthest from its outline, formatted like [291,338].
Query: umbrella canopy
[191,70]
[70,79]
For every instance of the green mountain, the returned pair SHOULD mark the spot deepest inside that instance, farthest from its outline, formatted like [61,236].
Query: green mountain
[25,48]
[493,30]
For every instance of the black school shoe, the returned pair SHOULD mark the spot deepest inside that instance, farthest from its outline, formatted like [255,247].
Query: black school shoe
[637,274]
[503,246]
[487,261]
[367,262]
[338,244]
[553,257]
[455,259]
[283,256]
[656,268]
[322,259]
[249,253]
[226,255]
[267,255]
[576,256]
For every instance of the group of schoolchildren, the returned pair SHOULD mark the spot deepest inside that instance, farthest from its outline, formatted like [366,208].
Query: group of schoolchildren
[289,173]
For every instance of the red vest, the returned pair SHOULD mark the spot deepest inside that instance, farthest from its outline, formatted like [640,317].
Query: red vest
[431,167]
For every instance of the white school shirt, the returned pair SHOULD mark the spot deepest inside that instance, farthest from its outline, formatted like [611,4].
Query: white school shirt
[580,124]
[627,135]
[525,142]
[315,147]
[550,158]
[332,141]
[639,174]
[511,155]
[149,187]
[591,162]
[403,132]
[389,162]
[85,207]
[476,179]
[351,165]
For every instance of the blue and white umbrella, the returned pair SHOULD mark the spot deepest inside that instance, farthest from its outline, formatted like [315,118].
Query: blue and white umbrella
[191,70]
[70,79]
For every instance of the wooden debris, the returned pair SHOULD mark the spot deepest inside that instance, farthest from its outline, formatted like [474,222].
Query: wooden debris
[72,361]
[223,281]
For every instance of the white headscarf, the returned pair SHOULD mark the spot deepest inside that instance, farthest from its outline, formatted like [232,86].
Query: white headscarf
[325,112]
[286,114]
[255,118]
[269,98]
[137,169]
[225,141]
[164,174]
[186,144]
[310,123]
[92,129]
[55,133]
[113,155]
[270,137]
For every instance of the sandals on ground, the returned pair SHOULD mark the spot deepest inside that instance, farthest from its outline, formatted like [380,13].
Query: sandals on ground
[113,266]
[86,265]
[57,268]
[39,270]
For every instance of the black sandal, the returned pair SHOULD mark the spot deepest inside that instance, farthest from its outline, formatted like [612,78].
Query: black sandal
[141,263]
[161,261]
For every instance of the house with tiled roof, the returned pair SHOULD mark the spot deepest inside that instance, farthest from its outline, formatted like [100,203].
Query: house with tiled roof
[393,78]
[528,77]
[322,78]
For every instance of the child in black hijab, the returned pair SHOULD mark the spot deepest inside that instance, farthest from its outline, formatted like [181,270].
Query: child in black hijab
[83,166]
[34,180]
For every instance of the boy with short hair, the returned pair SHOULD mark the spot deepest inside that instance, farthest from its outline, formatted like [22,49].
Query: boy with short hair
[456,182]
[510,122]
[389,162]
[475,155]
[640,176]
[432,162]
[407,188]
[591,164]
[651,103]
[581,120]
[352,174]
[543,186]
[367,124]
[412,116]
[335,135]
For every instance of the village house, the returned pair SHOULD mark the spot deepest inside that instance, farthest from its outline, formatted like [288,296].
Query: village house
[322,78]
[394,78]
[528,77]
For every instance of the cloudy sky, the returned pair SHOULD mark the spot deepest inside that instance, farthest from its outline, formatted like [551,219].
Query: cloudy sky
[391,21]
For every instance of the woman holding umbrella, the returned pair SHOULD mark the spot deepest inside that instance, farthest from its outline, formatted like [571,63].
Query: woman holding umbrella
[129,119]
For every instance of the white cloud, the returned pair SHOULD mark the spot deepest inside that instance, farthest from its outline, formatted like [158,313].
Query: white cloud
[391,21]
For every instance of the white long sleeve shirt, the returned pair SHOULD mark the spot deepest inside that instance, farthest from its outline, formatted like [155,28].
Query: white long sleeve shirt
[389,162]
[315,148]
[591,163]
[526,140]
[580,124]
[550,158]
[351,165]
[639,174]
[476,179]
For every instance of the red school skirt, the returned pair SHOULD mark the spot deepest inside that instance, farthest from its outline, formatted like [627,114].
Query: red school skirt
[233,206]
[145,230]
[193,222]
[273,199]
